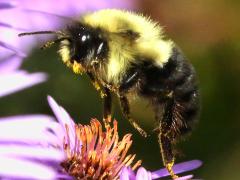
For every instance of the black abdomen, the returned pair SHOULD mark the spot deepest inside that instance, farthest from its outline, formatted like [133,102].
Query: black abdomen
[175,87]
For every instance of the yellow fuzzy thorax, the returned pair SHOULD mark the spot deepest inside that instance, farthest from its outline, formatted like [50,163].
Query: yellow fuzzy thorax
[150,43]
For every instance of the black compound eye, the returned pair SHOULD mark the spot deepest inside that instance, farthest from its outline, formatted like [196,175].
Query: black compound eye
[82,46]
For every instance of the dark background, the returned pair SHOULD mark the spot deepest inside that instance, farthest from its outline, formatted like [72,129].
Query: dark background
[208,33]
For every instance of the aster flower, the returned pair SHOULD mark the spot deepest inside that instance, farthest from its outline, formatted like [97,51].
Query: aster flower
[38,147]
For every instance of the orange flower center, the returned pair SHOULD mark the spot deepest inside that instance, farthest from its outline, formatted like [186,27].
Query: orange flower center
[97,154]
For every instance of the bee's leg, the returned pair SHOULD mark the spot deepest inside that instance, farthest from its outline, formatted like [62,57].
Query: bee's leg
[165,136]
[167,154]
[179,113]
[126,111]
[96,84]
[107,99]
[107,107]
[129,80]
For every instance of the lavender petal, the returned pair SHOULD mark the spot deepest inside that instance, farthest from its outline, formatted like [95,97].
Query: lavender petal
[14,168]
[64,119]
[16,129]
[64,177]
[15,81]
[13,62]
[125,173]
[187,177]
[12,48]
[142,174]
[7,25]
[31,152]
[73,7]
[7,5]
[178,168]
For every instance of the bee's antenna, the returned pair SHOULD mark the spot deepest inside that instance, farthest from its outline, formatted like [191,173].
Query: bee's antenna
[41,32]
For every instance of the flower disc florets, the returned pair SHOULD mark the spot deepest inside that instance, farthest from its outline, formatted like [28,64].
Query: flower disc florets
[97,154]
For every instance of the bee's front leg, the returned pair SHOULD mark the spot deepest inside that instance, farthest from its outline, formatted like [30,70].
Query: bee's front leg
[107,99]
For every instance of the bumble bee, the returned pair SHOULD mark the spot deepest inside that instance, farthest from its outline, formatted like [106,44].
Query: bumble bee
[127,53]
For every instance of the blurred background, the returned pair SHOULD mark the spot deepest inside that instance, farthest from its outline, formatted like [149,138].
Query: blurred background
[209,34]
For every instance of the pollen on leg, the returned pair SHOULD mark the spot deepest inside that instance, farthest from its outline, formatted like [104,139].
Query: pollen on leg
[170,170]
[77,68]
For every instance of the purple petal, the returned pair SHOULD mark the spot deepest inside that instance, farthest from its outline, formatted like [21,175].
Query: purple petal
[11,63]
[64,119]
[7,5]
[73,7]
[188,177]
[120,4]
[6,25]
[64,177]
[29,129]
[10,47]
[178,168]
[15,81]
[31,152]
[127,174]
[10,40]
[14,168]
[142,174]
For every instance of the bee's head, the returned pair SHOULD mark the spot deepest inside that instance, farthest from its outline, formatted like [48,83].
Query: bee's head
[81,47]
[85,44]
[84,48]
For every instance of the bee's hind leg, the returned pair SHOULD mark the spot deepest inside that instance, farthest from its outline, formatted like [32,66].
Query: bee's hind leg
[165,137]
